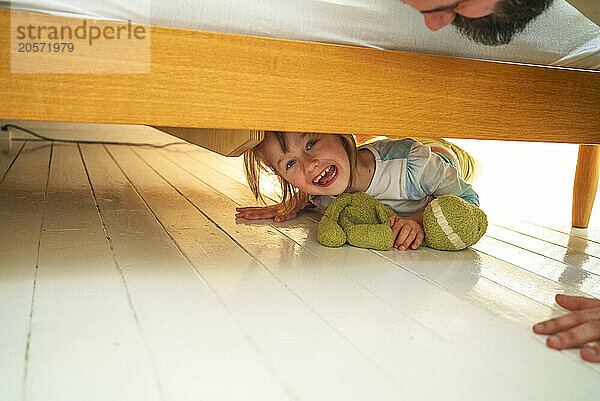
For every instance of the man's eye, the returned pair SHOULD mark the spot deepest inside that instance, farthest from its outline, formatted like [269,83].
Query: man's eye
[311,143]
[290,164]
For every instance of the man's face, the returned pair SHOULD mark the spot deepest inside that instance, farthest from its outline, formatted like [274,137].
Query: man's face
[439,13]
[489,22]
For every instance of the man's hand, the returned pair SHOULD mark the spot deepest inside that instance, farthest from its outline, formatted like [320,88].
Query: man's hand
[580,327]
[407,231]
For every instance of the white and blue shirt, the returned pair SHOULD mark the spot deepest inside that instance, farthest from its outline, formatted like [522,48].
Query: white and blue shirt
[408,175]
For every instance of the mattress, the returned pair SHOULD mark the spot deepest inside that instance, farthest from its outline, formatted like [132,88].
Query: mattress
[561,36]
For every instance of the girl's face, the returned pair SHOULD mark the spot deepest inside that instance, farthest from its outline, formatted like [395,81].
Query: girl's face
[316,164]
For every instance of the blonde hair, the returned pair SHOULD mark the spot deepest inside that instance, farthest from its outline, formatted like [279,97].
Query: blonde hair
[257,163]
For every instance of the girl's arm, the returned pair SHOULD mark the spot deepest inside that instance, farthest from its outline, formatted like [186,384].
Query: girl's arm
[275,212]
[428,174]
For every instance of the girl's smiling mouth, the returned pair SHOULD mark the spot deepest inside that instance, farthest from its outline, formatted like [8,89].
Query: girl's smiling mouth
[326,177]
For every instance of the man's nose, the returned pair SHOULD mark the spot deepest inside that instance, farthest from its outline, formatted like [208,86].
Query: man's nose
[438,20]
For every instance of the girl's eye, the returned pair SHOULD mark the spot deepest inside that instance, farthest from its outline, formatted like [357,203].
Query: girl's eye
[311,143]
[290,164]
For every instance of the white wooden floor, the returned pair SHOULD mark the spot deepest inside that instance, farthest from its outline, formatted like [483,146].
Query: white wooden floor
[125,276]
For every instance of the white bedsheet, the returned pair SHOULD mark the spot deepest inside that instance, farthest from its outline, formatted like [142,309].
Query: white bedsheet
[561,36]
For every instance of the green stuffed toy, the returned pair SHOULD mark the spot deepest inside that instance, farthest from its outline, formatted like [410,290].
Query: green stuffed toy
[450,223]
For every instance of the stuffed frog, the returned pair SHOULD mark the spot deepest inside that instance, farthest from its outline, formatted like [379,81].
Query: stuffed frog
[449,222]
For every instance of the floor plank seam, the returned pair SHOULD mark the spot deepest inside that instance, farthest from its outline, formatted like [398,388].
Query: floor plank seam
[35,276]
[12,162]
[569,266]
[556,229]
[545,240]
[113,253]
[577,291]
[475,274]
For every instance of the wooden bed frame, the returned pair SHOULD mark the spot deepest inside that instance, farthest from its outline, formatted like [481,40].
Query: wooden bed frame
[204,87]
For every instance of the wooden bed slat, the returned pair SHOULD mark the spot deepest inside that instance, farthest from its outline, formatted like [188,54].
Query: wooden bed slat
[242,82]
[226,142]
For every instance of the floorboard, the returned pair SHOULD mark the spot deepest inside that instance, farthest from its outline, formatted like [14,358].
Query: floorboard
[22,205]
[125,275]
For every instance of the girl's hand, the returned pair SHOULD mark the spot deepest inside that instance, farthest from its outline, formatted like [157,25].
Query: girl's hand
[406,231]
[576,328]
[264,212]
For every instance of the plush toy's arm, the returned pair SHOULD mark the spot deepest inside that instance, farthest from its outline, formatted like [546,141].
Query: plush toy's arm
[364,223]
[383,213]
[372,236]
[336,207]
[329,232]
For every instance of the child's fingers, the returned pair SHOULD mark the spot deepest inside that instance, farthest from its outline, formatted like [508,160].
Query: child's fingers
[256,213]
[253,208]
[396,226]
[418,240]
[282,217]
[576,303]
[409,240]
[403,235]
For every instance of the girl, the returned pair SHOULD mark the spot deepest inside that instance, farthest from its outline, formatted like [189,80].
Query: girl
[403,174]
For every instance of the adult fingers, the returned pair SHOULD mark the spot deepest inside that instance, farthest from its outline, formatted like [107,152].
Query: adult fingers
[582,334]
[591,354]
[567,321]
[576,303]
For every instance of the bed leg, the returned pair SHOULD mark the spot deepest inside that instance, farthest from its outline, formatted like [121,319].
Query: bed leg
[585,185]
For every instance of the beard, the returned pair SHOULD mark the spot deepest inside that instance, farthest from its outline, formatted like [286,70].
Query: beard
[509,18]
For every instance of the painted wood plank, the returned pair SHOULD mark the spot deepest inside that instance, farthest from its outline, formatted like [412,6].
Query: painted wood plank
[589,264]
[85,341]
[525,339]
[589,234]
[199,349]
[22,196]
[396,343]
[310,355]
[570,240]
[569,276]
